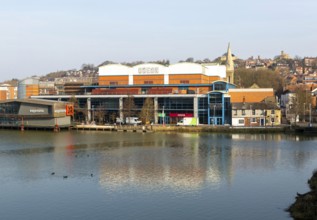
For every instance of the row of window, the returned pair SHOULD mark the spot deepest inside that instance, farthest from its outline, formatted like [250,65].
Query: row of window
[235,112]
[115,83]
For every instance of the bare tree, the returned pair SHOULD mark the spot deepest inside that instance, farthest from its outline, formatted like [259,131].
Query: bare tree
[78,111]
[100,115]
[301,101]
[129,107]
[147,112]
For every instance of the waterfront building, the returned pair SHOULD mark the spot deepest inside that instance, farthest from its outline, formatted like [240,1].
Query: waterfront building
[254,107]
[179,90]
[255,114]
[8,92]
[35,113]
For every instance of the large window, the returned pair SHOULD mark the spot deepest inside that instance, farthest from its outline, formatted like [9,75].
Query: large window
[220,86]
[9,108]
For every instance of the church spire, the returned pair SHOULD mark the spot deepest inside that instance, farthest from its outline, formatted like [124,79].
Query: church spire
[229,65]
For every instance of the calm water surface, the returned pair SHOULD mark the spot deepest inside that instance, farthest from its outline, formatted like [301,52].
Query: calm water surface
[152,175]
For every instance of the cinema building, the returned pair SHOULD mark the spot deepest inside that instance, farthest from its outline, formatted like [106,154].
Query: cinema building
[178,90]
[35,113]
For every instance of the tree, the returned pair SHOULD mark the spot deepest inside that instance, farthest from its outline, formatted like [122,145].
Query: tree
[147,112]
[300,103]
[129,107]
[100,115]
[206,60]
[190,60]
[79,113]
[87,66]
[264,78]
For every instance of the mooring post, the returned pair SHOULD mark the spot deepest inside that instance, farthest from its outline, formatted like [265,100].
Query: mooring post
[22,125]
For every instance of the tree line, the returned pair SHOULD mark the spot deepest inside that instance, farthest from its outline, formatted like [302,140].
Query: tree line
[264,78]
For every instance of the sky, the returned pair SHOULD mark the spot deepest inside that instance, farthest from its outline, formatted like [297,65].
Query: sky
[38,37]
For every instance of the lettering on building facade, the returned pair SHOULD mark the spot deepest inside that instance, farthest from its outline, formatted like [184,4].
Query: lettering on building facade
[148,70]
[36,110]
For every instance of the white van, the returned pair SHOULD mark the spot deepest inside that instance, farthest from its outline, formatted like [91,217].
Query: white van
[132,121]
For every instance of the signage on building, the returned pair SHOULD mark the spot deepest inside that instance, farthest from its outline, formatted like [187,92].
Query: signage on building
[37,111]
[70,110]
[173,115]
[60,111]
[148,70]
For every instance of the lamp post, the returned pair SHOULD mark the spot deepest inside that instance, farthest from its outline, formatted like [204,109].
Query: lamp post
[309,114]
[304,112]
[250,114]
[93,115]
[214,119]
[163,116]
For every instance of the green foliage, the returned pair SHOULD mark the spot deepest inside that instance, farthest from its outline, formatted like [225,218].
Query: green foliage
[264,78]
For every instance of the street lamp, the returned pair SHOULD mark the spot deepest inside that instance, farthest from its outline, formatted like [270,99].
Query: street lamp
[163,116]
[304,112]
[214,119]
[250,114]
[93,116]
[309,114]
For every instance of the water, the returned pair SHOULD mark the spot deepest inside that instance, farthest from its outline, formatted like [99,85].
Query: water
[151,175]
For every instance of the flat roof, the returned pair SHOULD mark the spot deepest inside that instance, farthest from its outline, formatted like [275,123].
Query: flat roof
[32,101]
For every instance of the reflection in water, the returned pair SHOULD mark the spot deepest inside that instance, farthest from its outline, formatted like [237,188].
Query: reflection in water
[185,161]
[203,175]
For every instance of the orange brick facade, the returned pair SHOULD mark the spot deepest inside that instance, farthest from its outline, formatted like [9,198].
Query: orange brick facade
[249,96]
[114,80]
[32,90]
[148,79]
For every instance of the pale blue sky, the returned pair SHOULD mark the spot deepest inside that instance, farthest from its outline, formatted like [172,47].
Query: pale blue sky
[39,37]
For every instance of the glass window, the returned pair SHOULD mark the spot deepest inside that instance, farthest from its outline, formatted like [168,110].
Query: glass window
[241,121]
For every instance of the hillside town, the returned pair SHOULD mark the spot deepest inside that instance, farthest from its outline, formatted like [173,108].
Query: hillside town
[255,92]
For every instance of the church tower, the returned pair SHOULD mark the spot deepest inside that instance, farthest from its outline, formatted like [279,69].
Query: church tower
[229,66]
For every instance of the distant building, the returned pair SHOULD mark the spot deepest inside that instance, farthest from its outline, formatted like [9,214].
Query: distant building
[283,56]
[8,92]
[47,88]
[28,87]
[73,85]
